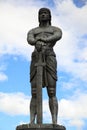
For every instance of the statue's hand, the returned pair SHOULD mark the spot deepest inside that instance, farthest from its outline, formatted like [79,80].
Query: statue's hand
[43,39]
[38,38]
[39,45]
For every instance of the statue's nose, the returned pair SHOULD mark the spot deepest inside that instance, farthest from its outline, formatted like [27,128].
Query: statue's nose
[43,14]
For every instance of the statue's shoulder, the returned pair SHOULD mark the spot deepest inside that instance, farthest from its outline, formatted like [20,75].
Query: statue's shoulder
[34,30]
[54,28]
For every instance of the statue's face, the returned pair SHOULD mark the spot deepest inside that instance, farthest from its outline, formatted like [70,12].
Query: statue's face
[44,15]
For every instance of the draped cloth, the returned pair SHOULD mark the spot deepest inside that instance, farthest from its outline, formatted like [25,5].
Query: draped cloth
[49,58]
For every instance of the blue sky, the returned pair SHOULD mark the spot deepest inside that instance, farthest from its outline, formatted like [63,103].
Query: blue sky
[17,17]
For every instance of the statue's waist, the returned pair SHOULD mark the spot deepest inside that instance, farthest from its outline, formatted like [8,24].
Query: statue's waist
[48,51]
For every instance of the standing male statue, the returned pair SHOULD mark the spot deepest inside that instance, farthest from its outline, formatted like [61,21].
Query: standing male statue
[44,38]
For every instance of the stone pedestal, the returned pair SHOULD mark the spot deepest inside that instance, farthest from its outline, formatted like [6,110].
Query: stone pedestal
[40,127]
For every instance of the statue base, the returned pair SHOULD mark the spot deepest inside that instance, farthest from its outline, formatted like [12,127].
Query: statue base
[40,127]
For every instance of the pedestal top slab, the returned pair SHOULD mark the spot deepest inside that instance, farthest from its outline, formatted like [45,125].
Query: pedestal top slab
[40,127]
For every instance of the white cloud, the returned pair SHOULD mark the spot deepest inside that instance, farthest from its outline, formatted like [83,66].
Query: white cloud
[72,48]
[73,109]
[17,19]
[78,123]
[18,104]
[15,22]
[71,17]
[3,76]
[14,103]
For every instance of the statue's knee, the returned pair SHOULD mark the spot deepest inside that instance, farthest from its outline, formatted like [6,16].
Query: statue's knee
[51,92]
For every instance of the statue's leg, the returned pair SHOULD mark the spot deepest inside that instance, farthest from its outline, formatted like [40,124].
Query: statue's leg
[33,106]
[53,104]
[32,110]
[53,108]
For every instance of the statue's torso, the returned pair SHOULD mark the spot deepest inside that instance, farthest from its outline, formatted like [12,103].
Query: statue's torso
[50,59]
[43,32]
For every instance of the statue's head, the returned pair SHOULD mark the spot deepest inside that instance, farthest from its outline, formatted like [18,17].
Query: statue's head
[44,15]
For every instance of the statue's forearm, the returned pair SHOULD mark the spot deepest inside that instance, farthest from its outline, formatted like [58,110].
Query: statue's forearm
[30,38]
[31,41]
[53,38]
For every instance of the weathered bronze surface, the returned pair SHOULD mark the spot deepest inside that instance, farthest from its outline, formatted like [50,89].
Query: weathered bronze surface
[43,69]
[43,72]
[40,127]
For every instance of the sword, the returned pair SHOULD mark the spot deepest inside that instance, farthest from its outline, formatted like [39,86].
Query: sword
[40,64]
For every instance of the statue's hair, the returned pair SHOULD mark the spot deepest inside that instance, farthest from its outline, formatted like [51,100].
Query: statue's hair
[44,9]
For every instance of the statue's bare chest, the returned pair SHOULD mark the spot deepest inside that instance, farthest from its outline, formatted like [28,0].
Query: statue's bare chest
[43,32]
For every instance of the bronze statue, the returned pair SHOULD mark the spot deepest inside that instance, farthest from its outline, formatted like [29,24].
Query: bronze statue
[43,38]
